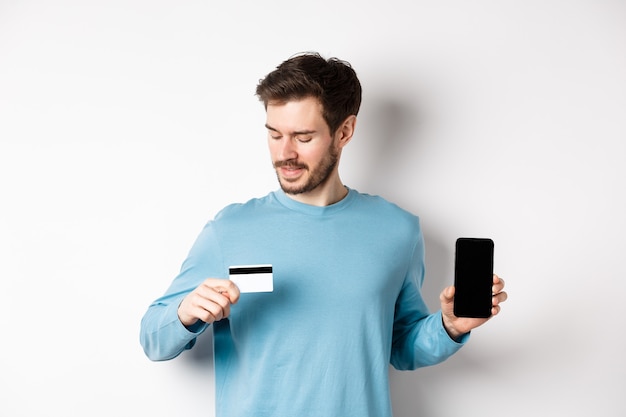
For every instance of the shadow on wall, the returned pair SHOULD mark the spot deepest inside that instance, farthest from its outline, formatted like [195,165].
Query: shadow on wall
[387,138]
[392,136]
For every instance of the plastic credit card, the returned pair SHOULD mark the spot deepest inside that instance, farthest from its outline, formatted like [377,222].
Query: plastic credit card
[252,278]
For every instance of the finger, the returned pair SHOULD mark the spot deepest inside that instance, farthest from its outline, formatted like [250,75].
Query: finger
[195,307]
[447,294]
[495,310]
[230,290]
[224,287]
[219,304]
[215,312]
[499,297]
[209,305]
[498,284]
[210,311]
[206,316]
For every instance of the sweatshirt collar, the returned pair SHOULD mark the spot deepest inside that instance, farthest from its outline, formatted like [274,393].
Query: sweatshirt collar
[294,205]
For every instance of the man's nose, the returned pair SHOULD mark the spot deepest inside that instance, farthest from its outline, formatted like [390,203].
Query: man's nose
[288,149]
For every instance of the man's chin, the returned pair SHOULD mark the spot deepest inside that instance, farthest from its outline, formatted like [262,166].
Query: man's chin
[291,188]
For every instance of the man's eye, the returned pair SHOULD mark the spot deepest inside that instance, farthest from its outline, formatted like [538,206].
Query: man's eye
[304,139]
[275,137]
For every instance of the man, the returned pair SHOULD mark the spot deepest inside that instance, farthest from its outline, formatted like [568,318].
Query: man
[347,273]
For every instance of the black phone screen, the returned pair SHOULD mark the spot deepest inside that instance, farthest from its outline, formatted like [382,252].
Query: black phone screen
[473,277]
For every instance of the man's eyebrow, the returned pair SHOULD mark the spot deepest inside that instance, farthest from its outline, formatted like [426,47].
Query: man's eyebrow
[296,132]
[271,128]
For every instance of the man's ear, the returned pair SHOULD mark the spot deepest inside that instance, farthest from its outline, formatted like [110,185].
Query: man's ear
[345,131]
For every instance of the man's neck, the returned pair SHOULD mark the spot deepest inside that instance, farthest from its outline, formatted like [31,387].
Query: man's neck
[322,196]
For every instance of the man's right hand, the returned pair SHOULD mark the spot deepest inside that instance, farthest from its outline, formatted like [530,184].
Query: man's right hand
[209,302]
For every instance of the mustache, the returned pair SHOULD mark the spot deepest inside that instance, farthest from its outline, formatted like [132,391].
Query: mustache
[290,163]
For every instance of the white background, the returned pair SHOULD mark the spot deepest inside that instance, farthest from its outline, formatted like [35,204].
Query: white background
[126,125]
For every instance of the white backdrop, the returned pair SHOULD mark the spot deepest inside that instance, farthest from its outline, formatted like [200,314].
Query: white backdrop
[125,126]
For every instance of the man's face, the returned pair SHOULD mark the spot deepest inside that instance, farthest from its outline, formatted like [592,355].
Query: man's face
[303,151]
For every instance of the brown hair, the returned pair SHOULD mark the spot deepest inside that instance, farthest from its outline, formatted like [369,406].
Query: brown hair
[332,81]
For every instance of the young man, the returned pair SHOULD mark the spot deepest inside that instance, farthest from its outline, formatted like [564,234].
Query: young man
[347,273]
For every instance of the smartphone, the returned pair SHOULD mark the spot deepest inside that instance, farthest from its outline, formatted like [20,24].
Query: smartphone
[473,277]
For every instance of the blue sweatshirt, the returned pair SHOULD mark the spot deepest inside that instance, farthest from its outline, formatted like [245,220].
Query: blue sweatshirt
[346,304]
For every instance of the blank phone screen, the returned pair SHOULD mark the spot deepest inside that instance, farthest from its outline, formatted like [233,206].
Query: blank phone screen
[473,277]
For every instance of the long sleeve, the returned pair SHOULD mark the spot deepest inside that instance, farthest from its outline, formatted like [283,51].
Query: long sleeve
[419,338]
[162,335]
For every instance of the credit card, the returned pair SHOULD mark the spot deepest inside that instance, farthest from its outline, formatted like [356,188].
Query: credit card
[252,278]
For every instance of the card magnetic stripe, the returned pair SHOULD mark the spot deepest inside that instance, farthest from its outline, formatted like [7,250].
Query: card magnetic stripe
[251,270]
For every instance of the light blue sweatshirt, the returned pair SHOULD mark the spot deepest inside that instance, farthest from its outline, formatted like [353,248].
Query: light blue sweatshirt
[346,303]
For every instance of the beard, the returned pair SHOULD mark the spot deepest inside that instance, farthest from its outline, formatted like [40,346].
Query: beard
[318,176]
